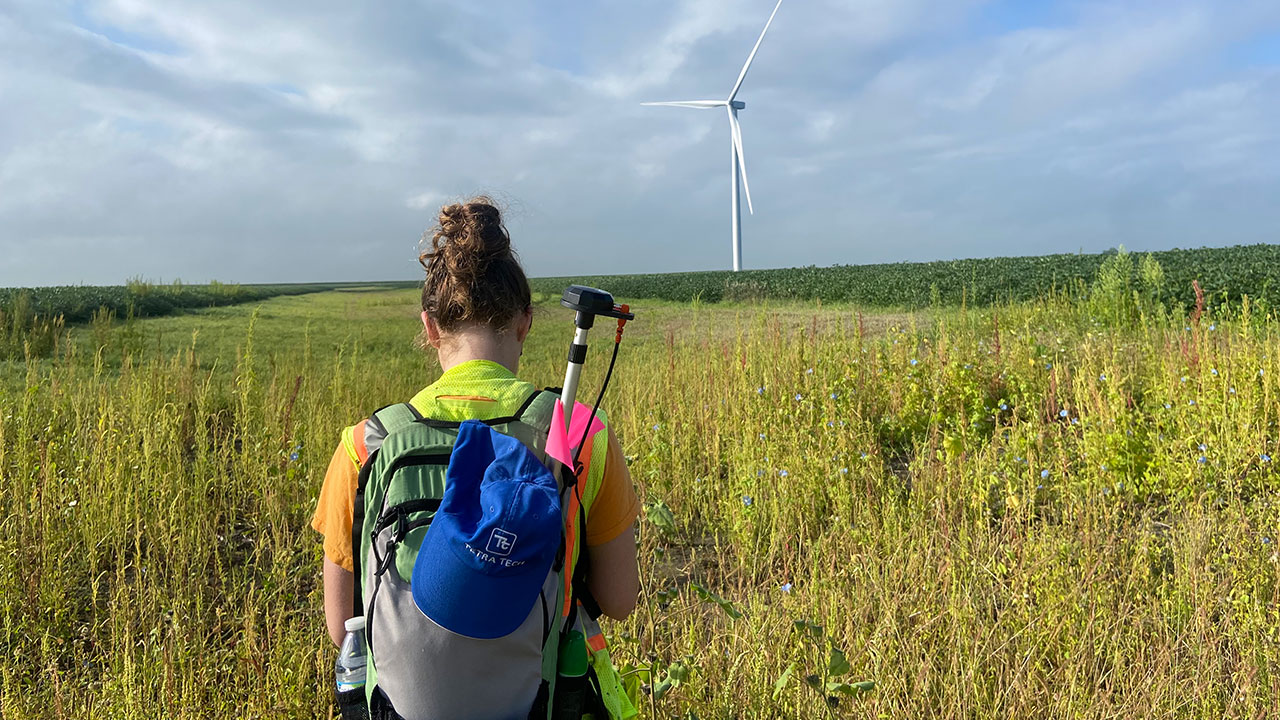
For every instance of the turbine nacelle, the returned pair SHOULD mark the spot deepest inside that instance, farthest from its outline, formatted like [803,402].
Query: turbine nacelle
[737,104]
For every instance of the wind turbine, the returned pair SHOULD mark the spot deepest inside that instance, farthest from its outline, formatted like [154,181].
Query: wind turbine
[737,161]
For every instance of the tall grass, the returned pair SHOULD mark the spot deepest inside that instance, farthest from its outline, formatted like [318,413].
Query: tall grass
[1026,511]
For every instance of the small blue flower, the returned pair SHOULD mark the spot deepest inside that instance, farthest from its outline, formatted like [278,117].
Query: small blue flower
[657,426]
[1183,379]
[1104,467]
[844,471]
[1048,366]
[1231,391]
[1266,541]
[835,395]
[761,436]
[782,473]
[1264,457]
[1213,372]
[1018,459]
[1202,459]
[799,397]
[747,500]
[1191,402]
[1213,326]
[1062,413]
[809,371]
[1259,372]
[759,473]
[1187,328]
[760,390]
[786,587]
[968,366]
[1004,406]
[1075,421]
[841,423]
[862,456]
[914,362]
[293,456]
[1040,486]
[1044,474]
[831,423]
[1167,406]
[1103,377]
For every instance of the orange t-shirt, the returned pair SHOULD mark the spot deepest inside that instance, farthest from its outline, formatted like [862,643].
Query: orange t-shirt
[613,509]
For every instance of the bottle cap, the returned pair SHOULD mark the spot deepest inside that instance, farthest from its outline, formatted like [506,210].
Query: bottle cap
[355,624]
[573,655]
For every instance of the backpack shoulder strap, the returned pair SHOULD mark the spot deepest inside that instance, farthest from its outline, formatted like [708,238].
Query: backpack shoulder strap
[382,423]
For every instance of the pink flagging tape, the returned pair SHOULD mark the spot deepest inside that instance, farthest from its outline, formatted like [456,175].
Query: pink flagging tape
[559,445]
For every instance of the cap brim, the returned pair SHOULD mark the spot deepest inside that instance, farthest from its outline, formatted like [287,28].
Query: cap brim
[448,589]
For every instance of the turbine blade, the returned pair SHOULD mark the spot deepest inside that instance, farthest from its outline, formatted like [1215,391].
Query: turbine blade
[700,104]
[736,129]
[742,75]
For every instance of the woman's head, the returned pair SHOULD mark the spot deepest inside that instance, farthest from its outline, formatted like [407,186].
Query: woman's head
[474,282]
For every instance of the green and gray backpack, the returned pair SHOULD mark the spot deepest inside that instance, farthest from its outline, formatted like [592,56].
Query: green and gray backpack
[421,666]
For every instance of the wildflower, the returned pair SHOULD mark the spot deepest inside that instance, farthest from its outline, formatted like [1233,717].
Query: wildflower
[1048,366]
[1040,486]
[863,456]
[841,423]
[656,427]
[293,456]
[835,395]
[760,390]
[1202,447]
[1104,467]
[799,397]
[1167,406]
[1213,327]
[914,362]
[1102,377]
[1231,391]
[782,473]
[1259,372]
[1184,379]
[844,471]
[761,436]
[786,587]
[1191,402]
[1266,541]
[831,423]
[809,371]
[747,500]
[73,503]
[1264,457]
[759,473]
[1213,372]
[1018,459]
[968,366]
[1062,413]
[1044,474]
[1004,406]
[1075,421]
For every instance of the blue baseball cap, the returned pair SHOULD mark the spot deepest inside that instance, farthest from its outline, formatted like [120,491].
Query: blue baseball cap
[491,544]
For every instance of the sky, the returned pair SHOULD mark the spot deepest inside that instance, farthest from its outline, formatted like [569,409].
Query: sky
[316,140]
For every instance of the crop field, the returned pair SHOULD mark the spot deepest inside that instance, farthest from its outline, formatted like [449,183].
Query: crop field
[1053,508]
[1225,275]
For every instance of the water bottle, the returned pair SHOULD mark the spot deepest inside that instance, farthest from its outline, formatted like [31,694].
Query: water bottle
[349,672]
[571,680]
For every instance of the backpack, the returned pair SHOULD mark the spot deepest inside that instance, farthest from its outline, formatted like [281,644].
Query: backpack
[469,586]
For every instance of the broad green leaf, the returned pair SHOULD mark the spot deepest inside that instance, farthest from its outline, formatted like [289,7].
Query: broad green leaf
[782,680]
[837,664]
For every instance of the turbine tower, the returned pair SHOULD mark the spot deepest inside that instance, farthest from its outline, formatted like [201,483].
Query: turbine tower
[737,161]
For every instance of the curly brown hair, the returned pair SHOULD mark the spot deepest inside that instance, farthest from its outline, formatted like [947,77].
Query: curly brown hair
[473,275]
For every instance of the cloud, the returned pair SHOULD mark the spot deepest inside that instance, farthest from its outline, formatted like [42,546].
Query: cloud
[297,141]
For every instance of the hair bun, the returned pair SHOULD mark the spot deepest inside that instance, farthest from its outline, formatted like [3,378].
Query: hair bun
[469,245]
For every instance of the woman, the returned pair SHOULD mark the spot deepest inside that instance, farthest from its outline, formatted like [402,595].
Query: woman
[476,315]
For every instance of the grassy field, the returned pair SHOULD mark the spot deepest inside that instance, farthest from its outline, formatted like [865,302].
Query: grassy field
[1052,509]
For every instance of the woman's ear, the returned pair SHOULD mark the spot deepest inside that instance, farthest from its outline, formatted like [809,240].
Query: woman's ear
[433,330]
[524,324]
